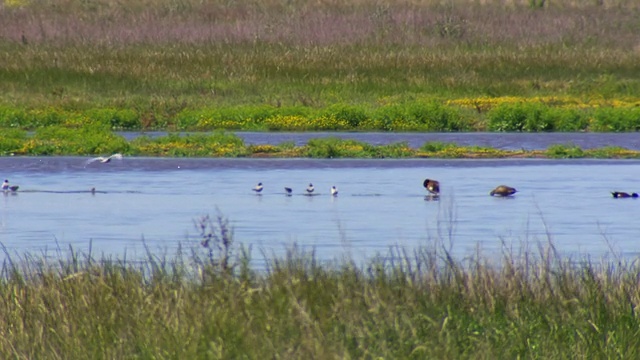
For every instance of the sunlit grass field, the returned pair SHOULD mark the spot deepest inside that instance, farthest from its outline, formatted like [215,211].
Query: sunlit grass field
[245,65]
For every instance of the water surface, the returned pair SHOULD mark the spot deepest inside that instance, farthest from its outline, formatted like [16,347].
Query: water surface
[155,202]
[503,141]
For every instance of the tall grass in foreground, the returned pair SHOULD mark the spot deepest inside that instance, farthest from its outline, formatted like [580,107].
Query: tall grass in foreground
[419,304]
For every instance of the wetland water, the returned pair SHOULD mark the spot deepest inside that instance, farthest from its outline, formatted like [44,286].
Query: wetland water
[381,204]
[503,141]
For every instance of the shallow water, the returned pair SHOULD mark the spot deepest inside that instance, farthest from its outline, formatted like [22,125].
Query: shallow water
[503,141]
[381,204]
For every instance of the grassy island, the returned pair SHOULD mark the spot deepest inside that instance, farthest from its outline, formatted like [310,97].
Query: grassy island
[95,140]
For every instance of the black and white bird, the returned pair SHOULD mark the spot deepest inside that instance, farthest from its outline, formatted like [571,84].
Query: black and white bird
[288,191]
[432,186]
[310,189]
[104,160]
[334,191]
[618,195]
[258,188]
[503,190]
[7,187]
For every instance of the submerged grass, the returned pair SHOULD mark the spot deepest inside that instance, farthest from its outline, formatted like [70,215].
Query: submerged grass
[418,304]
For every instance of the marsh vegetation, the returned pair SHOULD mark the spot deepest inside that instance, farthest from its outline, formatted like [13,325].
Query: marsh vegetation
[304,65]
[209,303]
[73,71]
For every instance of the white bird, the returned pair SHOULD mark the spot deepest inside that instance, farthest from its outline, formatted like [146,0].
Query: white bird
[310,189]
[258,188]
[7,187]
[104,160]
[288,191]
[334,191]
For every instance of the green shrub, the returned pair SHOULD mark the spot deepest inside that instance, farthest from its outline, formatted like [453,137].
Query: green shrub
[11,140]
[189,119]
[437,146]
[218,144]
[609,152]
[11,117]
[386,117]
[569,151]
[353,116]
[535,117]
[616,119]
[569,119]
[89,140]
[530,117]
[433,116]
[395,150]
[333,147]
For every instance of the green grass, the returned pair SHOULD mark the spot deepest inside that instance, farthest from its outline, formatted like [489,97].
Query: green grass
[156,63]
[490,114]
[210,303]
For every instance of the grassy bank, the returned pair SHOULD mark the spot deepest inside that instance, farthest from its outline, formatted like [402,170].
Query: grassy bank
[538,114]
[418,304]
[95,140]
[227,65]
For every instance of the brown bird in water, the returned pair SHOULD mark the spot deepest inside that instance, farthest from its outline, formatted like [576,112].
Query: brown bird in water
[432,186]
[618,194]
[503,190]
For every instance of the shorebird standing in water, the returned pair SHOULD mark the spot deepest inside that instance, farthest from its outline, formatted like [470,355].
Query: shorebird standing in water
[310,189]
[288,191]
[258,188]
[7,187]
[433,186]
[103,159]
[334,191]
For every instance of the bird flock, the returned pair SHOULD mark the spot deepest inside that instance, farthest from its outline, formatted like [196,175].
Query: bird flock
[289,191]
[8,188]
[432,186]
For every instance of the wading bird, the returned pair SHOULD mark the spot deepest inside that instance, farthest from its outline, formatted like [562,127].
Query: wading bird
[433,186]
[334,191]
[258,188]
[7,187]
[310,189]
[288,191]
[503,190]
[104,160]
